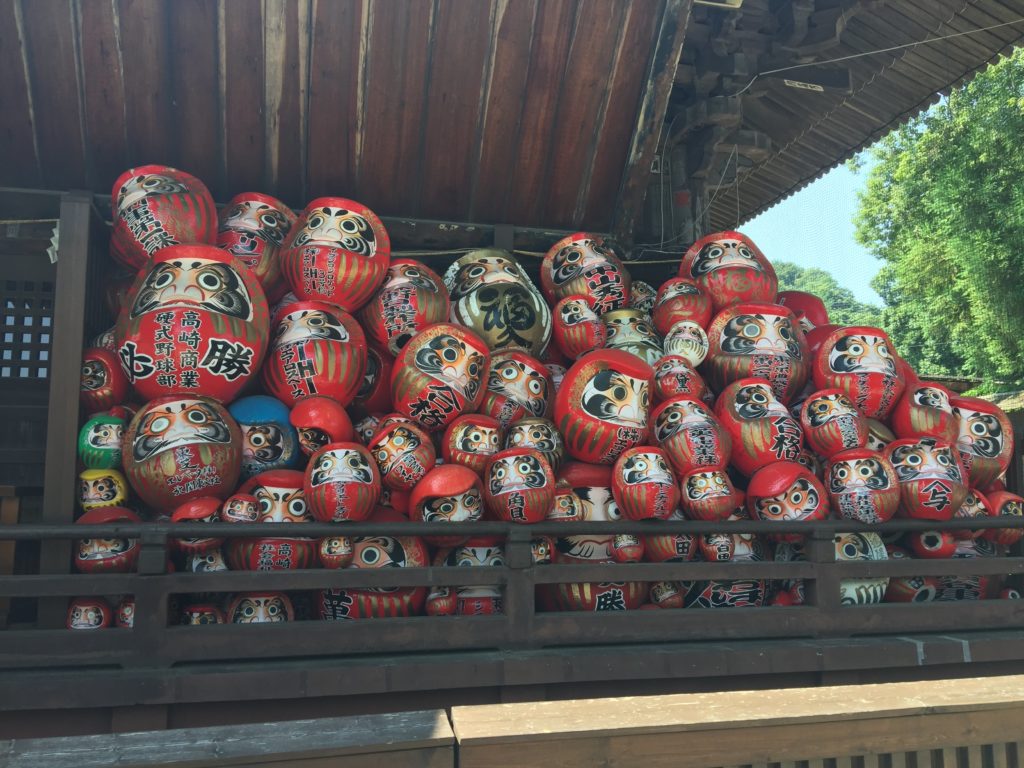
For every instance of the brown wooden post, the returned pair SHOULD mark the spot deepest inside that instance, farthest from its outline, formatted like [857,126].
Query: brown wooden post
[519,591]
[823,591]
[8,516]
[65,376]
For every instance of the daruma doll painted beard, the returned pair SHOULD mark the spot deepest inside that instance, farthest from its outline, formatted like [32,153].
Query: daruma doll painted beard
[831,423]
[541,435]
[643,484]
[642,296]
[708,494]
[412,297]
[181,448]
[519,486]
[584,264]
[318,421]
[269,441]
[155,206]
[631,331]
[338,252]
[195,322]
[862,486]
[115,555]
[518,386]
[103,383]
[603,404]
[933,482]
[758,341]
[985,439]
[680,298]
[859,360]
[761,428]
[342,483]
[440,374]
[786,492]
[252,227]
[925,411]
[317,349]
[674,375]
[730,269]
[404,454]
[576,327]
[279,499]
[448,494]
[690,435]
[470,440]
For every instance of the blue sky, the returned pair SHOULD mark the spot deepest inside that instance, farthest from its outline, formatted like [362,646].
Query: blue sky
[814,228]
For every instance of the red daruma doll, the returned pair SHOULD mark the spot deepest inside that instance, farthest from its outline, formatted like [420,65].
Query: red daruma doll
[519,486]
[860,362]
[730,269]
[412,297]
[831,423]
[761,428]
[155,206]
[643,484]
[338,252]
[674,375]
[585,264]
[342,483]
[862,486]
[691,437]
[195,322]
[925,411]
[932,478]
[279,499]
[252,227]
[985,439]
[786,492]
[470,440]
[576,327]
[679,299]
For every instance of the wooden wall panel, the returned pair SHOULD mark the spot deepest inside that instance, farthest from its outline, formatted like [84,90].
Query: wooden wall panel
[49,40]
[19,162]
[335,84]
[145,57]
[242,62]
[286,38]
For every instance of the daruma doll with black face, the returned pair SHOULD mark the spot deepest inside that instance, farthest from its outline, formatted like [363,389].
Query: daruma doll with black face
[758,341]
[195,322]
[860,361]
[984,440]
[603,405]
[180,448]
[761,428]
[252,227]
[338,252]
[730,269]
[412,297]
[933,481]
[317,349]
[156,206]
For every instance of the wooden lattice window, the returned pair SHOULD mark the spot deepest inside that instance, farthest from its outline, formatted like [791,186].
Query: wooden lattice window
[26,328]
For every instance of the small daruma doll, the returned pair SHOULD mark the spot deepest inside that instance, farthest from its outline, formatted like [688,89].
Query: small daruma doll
[470,440]
[320,420]
[404,454]
[440,374]
[603,404]
[337,252]
[690,435]
[761,428]
[342,483]
[269,441]
[985,439]
[831,423]
[412,297]
[89,613]
[541,435]
[860,361]
[517,386]
[708,494]
[933,482]
[925,411]
[643,484]
[758,340]
[680,298]
[155,206]
[195,322]
[448,494]
[317,349]
[202,510]
[786,492]
[99,441]
[104,384]
[730,269]
[862,486]
[577,328]
[180,448]
[101,488]
[519,486]
[110,555]
[260,608]
[1004,504]
[674,375]
[585,264]
[252,227]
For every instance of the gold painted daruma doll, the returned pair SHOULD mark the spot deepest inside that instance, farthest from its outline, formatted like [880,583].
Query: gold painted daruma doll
[586,264]
[156,206]
[338,252]
[470,440]
[985,439]
[252,227]
[412,297]
[730,269]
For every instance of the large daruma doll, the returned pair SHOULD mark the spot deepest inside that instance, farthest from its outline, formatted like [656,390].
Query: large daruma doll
[155,206]
[730,269]
[195,322]
[761,428]
[338,252]
[860,361]
[181,448]
[603,405]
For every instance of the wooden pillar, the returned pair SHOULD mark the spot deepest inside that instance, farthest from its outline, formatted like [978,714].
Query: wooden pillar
[8,516]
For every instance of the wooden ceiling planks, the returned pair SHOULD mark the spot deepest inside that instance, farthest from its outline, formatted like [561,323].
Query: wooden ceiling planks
[19,152]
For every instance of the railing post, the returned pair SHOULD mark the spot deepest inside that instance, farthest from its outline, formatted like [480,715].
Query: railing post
[151,601]
[823,591]
[519,590]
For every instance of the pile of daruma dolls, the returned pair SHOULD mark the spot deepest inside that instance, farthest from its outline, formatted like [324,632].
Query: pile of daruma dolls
[268,367]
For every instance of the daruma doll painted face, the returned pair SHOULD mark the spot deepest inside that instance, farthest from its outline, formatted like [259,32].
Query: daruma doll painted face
[519,486]
[680,298]
[761,341]
[603,405]
[252,227]
[541,435]
[584,263]
[761,428]
[412,297]
[786,492]
[933,482]
[195,323]
[342,483]
[643,485]
[104,384]
[690,435]
[448,494]
[577,328]
[642,296]
[925,411]
[470,440]
[114,555]
[859,360]
[708,494]
[338,252]
[99,442]
[831,423]
[631,331]
[320,420]
[730,269]
[440,374]
[181,448]
[985,439]
[674,375]
[518,386]
[317,349]
[862,486]
[269,441]
[280,499]
[155,206]
[404,454]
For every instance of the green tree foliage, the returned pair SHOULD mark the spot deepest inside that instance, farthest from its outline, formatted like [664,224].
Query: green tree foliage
[843,308]
[944,211]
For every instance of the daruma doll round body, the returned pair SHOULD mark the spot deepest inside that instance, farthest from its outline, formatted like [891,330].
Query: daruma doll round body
[933,481]
[631,331]
[269,441]
[642,296]
[643,484]
[470,440]
[519,486]
[680,298]
[603,405]
[761,341]
[195,322]
[440,374]
[808,309]
[859,360]
[181,448]
[984,440]
[111,555]
[202,510]
[412,297]
[342,483]
[924,410]
[585,264]
[518,386]
[404,453]
[103,383]
[317,349]
[338,251]
[252,227]
[1004,504]
[541,435]
[374,393]
[674,375]
[786,492]
[730,269]
[761,428]
[831,422]
[449,493]
[280,498]
[690,435]
[318,421]
[862,486]
[260,608]
[99,442]
[576,327]
[155,206]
